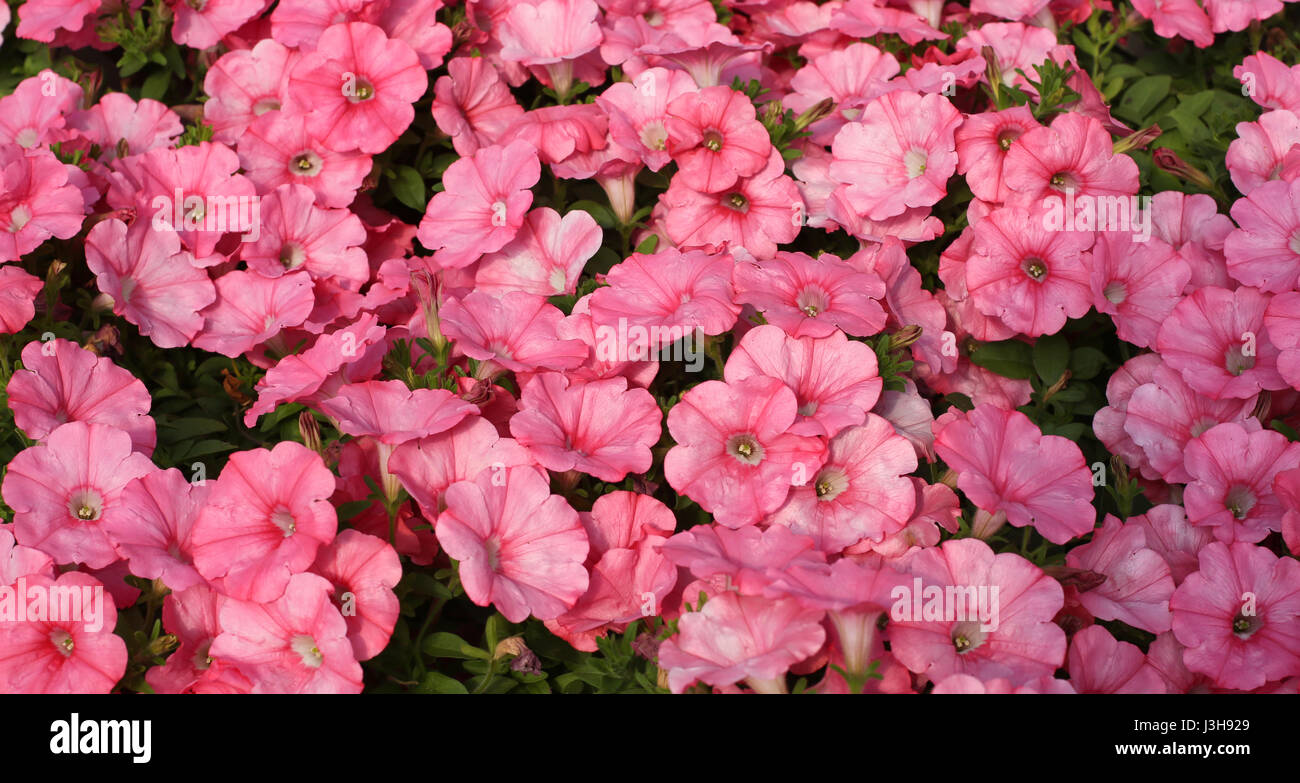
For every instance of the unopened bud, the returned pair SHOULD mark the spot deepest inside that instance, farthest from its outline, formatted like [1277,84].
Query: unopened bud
[310,429]
[1137,140]
[1167,160]
[819,110]
[905,337]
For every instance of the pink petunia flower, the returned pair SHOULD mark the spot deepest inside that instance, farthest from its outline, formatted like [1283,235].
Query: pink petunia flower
[1030,277]
[61,382]
[473,105]
[1216,339]
[1074,154]
[834,379]
[1178,19]
[278,149]
[862,492]
[363,570]
[1021,644]
[1232,467]
[39,21]
[1136,283]
[17,560]
[152,281]
[483,206]
[18,291]
[193,191]
[900,154]
[352,353]
[428,466]
[630,577]
[602,428]
[37,112]
[735,455]
[118,124]
[1163,414]
[154,526]
[1138,579]
[715,139]
[251,309]
[551,36]
[1006,465]
[1239,616]
[1098,663]
[812,297]
[358,87]
[65,655]
[296,643]
[519,547]
[296,234]
[735,637]
[758,214]
[1265,251]
[65,489]
[193,616]
[545,258]
[850,77]
[667,295]
[38,201]
[245,84]
[1256,156]
[1191,223]
[203,24]
[264,521]
[638,112]
[1271,82]
[982,144]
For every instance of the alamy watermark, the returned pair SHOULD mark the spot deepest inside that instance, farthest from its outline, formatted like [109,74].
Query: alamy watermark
[21,602]
[638,343]
[179,212]
[947,604]
[1098,213]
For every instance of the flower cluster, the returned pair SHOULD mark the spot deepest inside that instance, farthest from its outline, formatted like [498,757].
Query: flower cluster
[661,344]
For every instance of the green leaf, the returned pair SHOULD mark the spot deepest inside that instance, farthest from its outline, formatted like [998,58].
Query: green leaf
[603,214]
[1086,363]
[648,244]
[1009,358]
[408,187]
[1051,357]
[155,86]
[449,645]
[347,511]
[1143,96]
[178,430]
[437,682]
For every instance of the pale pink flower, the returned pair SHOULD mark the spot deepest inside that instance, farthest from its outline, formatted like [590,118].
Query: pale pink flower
[65,655]
[735,638]
[264,521]
[1239,616]
[483,206]
[601,428]
[735,455]
[358,87]
[66,489]
[61,382]
[834,379]
[1005,464]
[519,547]
[296,643]
[153,529]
